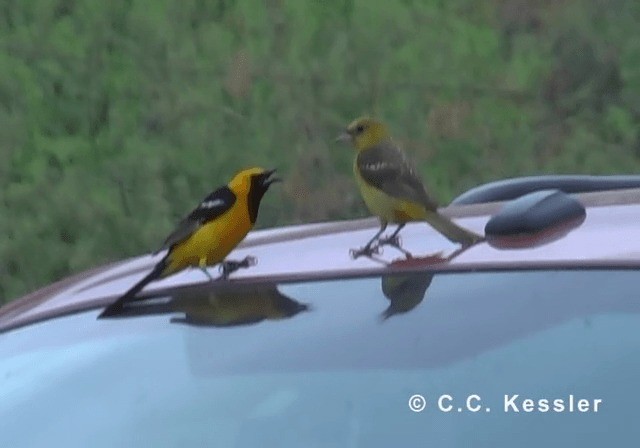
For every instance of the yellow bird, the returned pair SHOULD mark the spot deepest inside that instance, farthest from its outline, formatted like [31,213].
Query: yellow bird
[211,231]
[391,188]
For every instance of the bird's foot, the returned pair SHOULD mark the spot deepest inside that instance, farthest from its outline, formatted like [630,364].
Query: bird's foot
[394,241]
[206,272]
[366,251]
[228,267]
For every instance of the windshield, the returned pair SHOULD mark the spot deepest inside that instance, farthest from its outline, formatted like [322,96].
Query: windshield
[531,358]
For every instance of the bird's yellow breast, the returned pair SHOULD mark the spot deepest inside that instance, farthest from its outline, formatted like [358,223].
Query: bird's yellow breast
[386,207]
[213,241]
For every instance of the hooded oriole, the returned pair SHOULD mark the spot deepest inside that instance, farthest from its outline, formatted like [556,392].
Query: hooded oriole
[211,231]
[390,187]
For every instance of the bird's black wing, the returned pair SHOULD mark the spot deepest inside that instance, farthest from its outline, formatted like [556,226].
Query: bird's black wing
[211,207]
[387,168]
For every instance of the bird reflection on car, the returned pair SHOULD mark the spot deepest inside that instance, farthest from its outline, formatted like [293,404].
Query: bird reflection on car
[404,291]
[224,306]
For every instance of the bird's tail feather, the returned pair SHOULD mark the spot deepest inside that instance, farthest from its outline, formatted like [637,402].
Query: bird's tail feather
[156,273]
[452,231]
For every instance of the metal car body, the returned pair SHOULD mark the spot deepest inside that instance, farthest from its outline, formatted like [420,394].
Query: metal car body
[313,348]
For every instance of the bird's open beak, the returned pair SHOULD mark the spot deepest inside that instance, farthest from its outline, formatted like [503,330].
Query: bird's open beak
[268,180]
[344,137]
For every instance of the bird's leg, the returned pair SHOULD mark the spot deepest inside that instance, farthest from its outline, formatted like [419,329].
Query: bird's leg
[227,267]
[403,250]
[369,249]
[203,267]
[394,240]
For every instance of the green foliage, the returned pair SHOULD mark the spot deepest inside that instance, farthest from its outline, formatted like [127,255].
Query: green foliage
[117,117]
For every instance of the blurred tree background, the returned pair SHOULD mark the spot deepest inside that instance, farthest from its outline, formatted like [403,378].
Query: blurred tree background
[117,116]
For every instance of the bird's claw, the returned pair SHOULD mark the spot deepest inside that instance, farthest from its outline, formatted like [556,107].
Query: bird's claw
[366,251]
[228,267]
[394,241]
[249,261]
[204,270]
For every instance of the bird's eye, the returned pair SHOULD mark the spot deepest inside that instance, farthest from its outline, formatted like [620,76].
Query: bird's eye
[360,128]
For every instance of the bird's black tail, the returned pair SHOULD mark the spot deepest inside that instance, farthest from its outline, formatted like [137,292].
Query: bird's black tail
[117,306]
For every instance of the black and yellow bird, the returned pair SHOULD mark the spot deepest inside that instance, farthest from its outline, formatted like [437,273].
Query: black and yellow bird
[210,232]
[391,188]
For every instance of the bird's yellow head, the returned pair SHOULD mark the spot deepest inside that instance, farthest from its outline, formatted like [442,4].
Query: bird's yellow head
[253,183]
[364,133]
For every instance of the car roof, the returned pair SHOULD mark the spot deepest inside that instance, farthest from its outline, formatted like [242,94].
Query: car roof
[608,235]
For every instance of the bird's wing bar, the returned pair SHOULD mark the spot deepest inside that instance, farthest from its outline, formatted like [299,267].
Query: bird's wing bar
[385,167]
[210,208]
[379,164]
[214,205]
